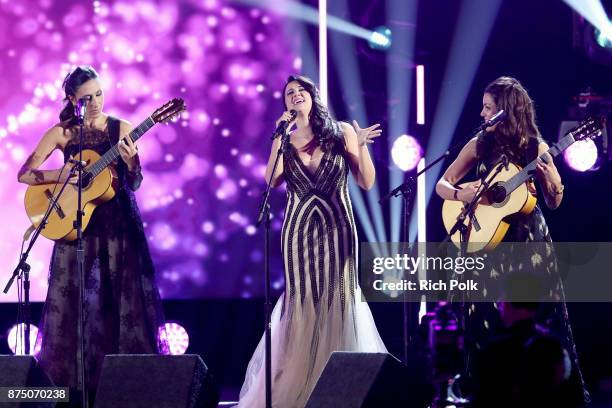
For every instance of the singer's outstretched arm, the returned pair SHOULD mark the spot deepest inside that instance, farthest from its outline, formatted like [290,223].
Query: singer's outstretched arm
[456,171]
[359,158]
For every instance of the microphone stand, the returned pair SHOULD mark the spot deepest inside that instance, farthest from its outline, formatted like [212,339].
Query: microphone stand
[23,268]
[468,213]
[80,255]
[264,217]
[406,189]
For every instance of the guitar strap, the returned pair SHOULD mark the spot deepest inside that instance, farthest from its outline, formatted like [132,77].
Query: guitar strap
[113,130]
[532,149]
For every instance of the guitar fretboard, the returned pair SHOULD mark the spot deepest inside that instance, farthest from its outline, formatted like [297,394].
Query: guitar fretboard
[529,170]
[113,152]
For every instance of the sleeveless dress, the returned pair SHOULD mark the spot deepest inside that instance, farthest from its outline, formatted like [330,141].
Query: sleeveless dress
[122,303]
[321,310]
[484,320]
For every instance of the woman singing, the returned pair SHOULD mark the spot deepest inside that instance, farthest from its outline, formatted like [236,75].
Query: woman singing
[321,310]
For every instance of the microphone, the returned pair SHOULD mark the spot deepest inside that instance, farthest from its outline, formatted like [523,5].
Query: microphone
[82,163]
[504,161]
[495,119]
[282,126]
[79,109]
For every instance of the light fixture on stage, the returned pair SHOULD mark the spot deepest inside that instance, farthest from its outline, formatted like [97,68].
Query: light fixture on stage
[592,30]
[16,340]
[380,38]
[582,155]
[602,39]
[177,337]
[406,152]
[588,154]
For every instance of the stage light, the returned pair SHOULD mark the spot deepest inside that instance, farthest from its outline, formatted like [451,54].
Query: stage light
[582,155]
[592,29]
[475,21]
[311,15]
[380,38]
[17,344]
[420,88]
[587,154]
[603,40]
[406,152]
[177,338]
[344,53]
[400,89]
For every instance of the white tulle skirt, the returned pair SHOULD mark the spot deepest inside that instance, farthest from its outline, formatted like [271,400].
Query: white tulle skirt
[303,338]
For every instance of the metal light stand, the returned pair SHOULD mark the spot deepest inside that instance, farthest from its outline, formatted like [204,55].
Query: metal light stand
[406,188]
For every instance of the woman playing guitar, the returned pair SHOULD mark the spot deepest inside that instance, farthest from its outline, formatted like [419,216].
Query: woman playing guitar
[517,139]
[123,308]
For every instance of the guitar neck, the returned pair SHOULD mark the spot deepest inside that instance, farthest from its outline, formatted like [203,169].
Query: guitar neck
[529,170]
[113,152]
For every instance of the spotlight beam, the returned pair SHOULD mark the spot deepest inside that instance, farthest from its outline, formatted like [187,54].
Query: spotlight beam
[308,64]
[350,78]
[420,76]
[310,15]
[362,214]
[399,89]
[474,25]
[594,13]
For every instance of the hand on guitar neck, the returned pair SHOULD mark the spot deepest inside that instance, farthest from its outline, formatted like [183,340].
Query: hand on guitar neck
[100,182]
[128,152]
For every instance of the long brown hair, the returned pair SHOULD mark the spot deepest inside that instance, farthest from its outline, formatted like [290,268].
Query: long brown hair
[513,134]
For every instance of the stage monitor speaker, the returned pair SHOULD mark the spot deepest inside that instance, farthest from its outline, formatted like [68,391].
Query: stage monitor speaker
[23,371]
[145,380]
[353,380]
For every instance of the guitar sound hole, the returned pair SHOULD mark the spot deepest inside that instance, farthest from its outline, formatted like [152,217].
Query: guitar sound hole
[497,194]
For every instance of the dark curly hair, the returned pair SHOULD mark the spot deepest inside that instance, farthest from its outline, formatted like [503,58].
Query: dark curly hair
[71,85]
[511,136]
[327,131]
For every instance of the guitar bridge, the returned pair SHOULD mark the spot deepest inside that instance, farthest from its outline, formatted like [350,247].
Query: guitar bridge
[56,207]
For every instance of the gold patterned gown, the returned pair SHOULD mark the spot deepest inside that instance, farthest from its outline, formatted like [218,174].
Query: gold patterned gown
[321,310]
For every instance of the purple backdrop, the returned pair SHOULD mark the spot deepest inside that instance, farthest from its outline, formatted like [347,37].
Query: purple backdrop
[202,174]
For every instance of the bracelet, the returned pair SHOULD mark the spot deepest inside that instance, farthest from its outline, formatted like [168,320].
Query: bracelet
[455,194]
[559,190]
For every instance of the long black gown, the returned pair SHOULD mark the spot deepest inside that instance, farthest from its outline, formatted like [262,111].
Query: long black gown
[123,313]
[484,321]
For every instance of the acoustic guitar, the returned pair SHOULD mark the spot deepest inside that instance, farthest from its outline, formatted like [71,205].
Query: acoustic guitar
[508,194]
[100,183]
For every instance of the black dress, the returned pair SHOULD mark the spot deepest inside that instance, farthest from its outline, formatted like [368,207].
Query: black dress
[123,311]
[484,322]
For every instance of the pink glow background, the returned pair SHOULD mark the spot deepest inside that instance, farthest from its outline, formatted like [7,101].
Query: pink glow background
[202,174]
